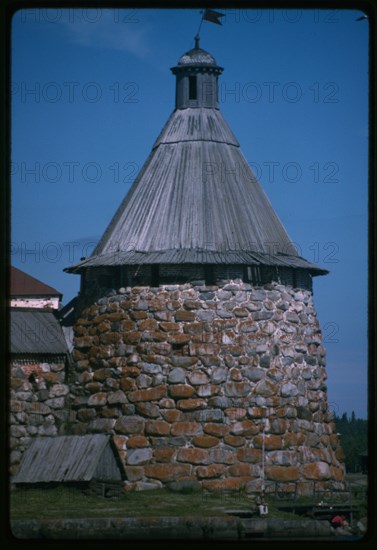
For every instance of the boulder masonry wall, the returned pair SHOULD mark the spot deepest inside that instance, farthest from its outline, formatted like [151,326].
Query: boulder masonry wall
[39,403]
[195,381]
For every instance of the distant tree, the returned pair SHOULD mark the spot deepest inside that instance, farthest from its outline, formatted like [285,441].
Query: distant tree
[353,439]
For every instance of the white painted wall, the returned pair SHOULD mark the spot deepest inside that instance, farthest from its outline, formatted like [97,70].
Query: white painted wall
[32,301]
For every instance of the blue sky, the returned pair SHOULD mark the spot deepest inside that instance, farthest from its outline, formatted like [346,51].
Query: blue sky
[91,90]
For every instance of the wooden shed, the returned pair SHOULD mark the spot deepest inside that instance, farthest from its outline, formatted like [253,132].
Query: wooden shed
[89,462]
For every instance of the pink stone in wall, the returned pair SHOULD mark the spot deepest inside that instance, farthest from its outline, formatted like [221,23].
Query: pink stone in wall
[245,428]
[191,404]
[194,456]
[133,442]
[129,425]
[186,428]
[157,427]
[217,430]
[167,472]
[205,441]
[181,390]
[211,471]
[149,394]
[317,470]
[282,473]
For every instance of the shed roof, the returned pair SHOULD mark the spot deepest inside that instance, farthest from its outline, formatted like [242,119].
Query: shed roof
[36,331]
[23,284]
[64,458]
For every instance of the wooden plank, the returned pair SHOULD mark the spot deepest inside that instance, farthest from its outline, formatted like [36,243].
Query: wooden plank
[107,468]
[64,458]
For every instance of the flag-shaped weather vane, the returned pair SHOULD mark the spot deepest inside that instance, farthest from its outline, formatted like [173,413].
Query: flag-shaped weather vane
[208,15]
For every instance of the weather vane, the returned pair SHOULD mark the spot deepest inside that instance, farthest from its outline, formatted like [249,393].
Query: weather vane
[208,15]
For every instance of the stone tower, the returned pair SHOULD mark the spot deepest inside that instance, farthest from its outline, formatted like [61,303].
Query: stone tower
[196,342]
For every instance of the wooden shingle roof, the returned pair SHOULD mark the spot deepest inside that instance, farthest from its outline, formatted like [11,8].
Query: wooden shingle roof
[196,200]
[65,459]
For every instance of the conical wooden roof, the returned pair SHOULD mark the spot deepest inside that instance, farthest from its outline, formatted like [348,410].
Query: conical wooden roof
[196,199]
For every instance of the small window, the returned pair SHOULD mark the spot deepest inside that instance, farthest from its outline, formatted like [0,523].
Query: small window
[192,88]
[209,275]
[124,278]
[155,275]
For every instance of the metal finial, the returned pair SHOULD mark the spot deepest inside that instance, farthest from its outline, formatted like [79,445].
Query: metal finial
[197,38]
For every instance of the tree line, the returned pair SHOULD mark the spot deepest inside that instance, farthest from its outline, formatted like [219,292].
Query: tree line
[354,440]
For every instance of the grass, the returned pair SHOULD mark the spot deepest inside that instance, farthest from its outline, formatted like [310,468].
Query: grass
[70,502]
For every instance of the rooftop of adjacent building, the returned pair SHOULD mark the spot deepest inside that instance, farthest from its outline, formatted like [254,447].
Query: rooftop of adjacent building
[22,284]
[36,331]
